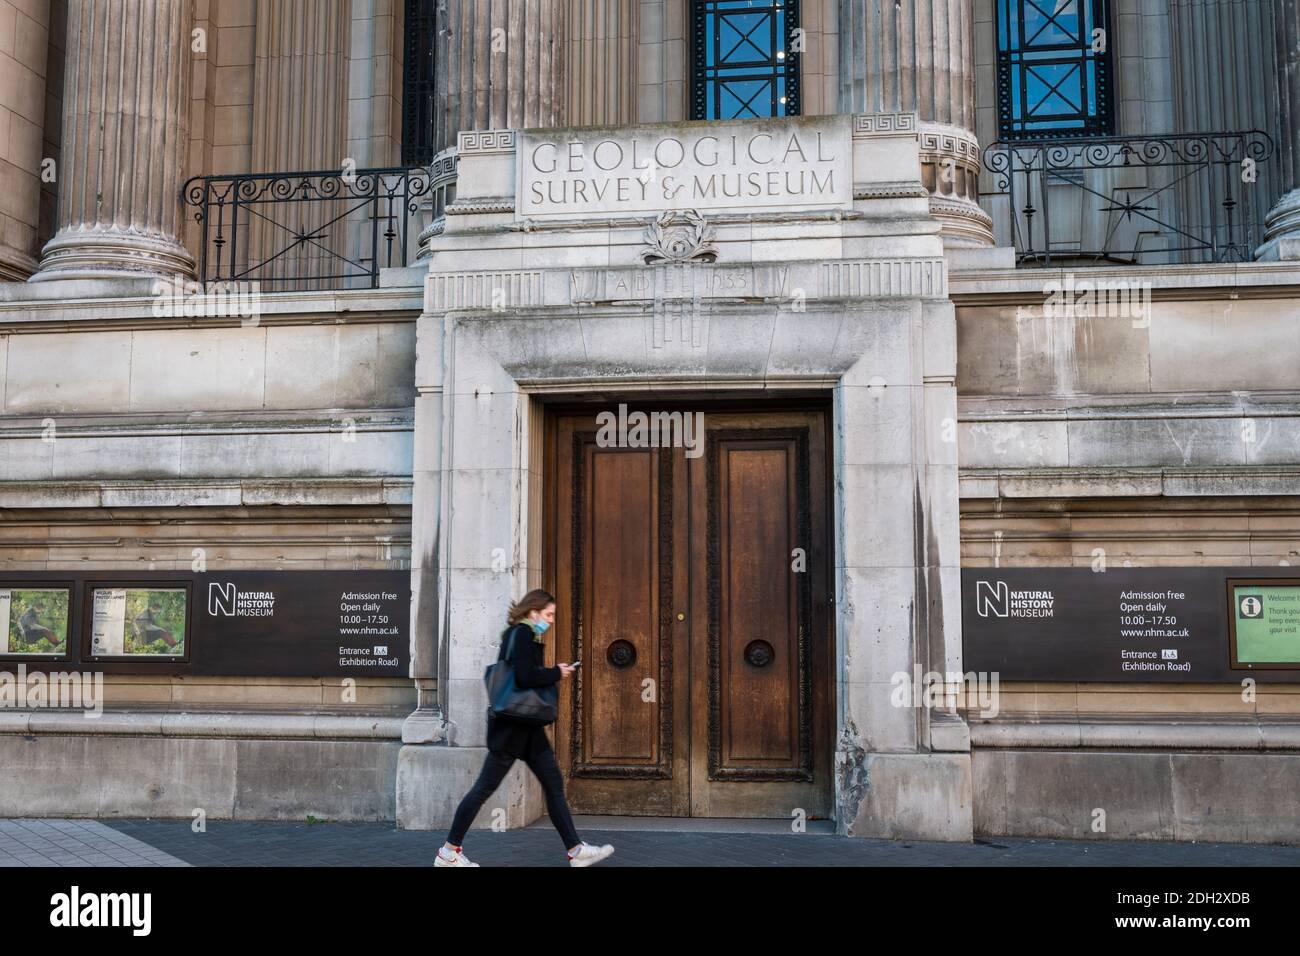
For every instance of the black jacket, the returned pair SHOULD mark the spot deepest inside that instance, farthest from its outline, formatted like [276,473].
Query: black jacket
[529,656]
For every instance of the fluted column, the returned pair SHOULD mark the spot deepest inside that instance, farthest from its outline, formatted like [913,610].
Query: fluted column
[1282,227]
[919,55]
[600,62]
[125,135]
[1236,96]
[500,65]
[301,58]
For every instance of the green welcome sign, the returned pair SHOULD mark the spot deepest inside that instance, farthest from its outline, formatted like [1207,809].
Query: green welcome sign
[1265,623]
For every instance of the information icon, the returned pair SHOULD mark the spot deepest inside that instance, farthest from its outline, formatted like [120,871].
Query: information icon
[1250,606]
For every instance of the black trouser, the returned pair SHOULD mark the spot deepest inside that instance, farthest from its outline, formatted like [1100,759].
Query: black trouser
[495,768]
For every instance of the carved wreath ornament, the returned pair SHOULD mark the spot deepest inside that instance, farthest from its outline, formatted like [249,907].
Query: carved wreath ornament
[679,237]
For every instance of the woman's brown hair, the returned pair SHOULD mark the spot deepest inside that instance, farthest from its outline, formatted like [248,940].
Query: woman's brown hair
[535,600]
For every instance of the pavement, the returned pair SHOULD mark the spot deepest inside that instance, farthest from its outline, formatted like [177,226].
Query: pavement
[639,842]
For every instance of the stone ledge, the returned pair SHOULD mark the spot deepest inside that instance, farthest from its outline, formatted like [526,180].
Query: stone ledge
[1168,282]
[1014,409]
[84,303]
[1188,733]
[1129,482]
[167,424]
[217,725]
[206,492]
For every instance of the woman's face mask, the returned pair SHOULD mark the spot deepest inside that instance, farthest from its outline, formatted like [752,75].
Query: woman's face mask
[539,626]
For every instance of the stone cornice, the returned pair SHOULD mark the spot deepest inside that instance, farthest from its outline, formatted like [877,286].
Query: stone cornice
[154,424]
[902,189]
[205,492]
[1141,405]
[1167,282]
[1129,482]
[802,282]
[1165,730]
[481,207]
[155,723]
[90,312]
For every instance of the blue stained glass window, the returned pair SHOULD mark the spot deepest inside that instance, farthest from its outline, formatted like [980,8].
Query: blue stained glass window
[1054,68]
[745,58]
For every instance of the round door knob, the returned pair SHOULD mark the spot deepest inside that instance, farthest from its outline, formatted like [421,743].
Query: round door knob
[759,653]
[621,654]
[681,617]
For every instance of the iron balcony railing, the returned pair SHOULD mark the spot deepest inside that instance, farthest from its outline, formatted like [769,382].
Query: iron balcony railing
[326,229]
[1136,200]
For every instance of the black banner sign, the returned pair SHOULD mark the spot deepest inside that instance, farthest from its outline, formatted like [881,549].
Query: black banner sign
[218,624]
[1122,624]
[302,623]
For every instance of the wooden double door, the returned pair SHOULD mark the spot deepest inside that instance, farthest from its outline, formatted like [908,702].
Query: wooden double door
[691,583]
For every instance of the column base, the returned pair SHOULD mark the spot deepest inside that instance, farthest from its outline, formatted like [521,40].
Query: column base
[950,169]
[424,726]
[1282,230]
[431,781]
[964,225]
[923,796]
[99,253]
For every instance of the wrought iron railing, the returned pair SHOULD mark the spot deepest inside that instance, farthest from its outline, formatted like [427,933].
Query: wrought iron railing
[298,231]
[1190,197]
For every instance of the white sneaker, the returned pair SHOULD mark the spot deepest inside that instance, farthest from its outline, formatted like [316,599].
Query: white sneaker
[447,857]
[588,854]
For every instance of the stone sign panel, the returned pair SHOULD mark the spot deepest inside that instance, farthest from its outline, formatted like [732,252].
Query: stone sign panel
[803,163]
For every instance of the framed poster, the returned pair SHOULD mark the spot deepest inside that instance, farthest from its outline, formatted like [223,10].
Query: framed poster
[34,620]
[1264,623]
[140,621]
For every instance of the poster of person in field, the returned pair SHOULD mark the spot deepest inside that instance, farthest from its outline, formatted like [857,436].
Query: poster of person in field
[155,622]
[36,621]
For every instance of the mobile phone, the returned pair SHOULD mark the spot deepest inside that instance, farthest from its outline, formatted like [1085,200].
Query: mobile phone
[576,664]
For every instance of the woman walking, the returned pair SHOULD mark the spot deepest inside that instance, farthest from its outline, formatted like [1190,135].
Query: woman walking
[509,740]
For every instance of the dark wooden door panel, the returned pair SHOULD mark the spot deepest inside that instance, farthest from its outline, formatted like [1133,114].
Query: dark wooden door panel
[760,710]
[761,737]
[694,591]
[614,574]
[619,602]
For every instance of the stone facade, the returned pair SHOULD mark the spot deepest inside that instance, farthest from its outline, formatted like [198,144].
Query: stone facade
[971,427]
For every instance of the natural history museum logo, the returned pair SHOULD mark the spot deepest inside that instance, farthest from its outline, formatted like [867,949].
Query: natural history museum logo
[224,599]
[995,599]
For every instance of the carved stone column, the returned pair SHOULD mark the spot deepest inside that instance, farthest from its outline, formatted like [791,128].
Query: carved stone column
[125,136]
[1238,95]
[500,65]
[919,56]
[301,58]
[1282,226]
[600,62]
